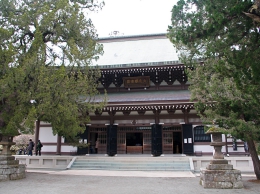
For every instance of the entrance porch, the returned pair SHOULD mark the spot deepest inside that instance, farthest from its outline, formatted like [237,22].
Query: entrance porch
[137,140]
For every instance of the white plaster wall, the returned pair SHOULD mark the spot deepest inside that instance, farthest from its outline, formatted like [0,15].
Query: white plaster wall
[100,122]
[149,112]
[239,149]
[176,82]
[178,112]
[49,148]
[68,148]
[123,121]
[172,121]
[203,148]
[46,135]
[194,120]
[164,112]
[44,123]
[134,113]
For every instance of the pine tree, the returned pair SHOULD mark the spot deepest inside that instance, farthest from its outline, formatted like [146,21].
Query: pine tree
[220,45]
[46,49]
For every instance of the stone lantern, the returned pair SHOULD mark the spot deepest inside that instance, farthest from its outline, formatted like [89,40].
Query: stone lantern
[219,174]
[10,169]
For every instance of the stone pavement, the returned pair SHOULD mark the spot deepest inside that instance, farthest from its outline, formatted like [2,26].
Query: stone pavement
[117,182]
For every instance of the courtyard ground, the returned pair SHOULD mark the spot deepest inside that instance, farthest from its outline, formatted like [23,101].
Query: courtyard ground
[117,182]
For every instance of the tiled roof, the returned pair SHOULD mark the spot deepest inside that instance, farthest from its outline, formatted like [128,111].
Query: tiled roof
[142,49]
[148,97]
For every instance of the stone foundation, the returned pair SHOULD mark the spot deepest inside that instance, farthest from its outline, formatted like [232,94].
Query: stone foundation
[10,169]
[221,176]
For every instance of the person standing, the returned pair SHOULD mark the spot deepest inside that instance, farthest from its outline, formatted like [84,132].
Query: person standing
[96,146]
[39,148]
[30,147]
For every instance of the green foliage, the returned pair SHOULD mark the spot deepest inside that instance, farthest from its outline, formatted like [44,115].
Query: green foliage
[225,84]
[77,142]
[220,45]
[46,48]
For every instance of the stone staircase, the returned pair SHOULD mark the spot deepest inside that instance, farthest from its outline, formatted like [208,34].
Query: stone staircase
[132,163]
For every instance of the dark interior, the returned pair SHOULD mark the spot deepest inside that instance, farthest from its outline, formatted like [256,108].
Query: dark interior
[134,139]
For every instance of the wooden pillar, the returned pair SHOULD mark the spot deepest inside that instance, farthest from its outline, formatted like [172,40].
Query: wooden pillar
[111,140]
[112,114]
[226,145]
[156,116]
[58,151]
[156,140]
[186,112]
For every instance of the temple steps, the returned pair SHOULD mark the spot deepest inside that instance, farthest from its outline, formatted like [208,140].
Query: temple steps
[132,164]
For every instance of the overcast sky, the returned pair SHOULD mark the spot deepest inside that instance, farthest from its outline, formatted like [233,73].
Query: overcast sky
[132,17]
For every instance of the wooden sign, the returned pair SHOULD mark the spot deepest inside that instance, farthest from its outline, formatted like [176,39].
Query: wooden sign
[137,82]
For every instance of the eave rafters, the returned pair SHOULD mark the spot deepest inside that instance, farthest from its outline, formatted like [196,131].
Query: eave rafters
[158,74]
[142,69]
[168,107]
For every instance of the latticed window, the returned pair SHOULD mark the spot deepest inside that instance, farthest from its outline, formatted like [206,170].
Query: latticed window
[103,129]
[200,136]
[102,137]
[147,138]
[167,138]
[126,129]
[175,128]
[121,138]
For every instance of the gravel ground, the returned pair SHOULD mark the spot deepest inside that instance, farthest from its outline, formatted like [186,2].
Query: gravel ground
[60,183]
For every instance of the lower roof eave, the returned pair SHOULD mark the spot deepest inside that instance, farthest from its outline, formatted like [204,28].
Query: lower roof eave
[149,103]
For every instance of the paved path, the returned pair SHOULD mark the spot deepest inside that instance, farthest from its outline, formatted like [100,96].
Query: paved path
[116,182]
[110,173]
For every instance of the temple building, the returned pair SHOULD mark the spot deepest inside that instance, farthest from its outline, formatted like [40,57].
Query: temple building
[149,109]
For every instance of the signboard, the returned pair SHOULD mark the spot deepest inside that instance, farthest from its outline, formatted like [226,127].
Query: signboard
[137,82]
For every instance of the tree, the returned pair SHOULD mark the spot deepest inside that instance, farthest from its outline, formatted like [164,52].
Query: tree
[221,46]
[254,11]
[46,49]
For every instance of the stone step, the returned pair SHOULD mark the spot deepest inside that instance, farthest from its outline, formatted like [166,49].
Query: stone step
[139,164]
[130,169]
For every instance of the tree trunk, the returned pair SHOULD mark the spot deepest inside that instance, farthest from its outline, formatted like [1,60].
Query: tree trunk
[254,11]
[254,156]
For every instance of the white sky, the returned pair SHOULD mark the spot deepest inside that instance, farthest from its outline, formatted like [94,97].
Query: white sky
[132,17]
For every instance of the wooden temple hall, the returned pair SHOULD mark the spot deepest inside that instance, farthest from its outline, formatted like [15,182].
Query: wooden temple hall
[149,109]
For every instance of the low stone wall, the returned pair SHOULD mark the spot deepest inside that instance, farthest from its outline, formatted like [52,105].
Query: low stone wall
[244,164]
[44,162]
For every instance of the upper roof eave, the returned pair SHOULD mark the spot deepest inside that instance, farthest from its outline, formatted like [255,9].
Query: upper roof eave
[140,65]
[134,37]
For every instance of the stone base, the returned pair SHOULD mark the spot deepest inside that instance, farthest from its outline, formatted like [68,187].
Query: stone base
[221,179]
[10,169]
[219,161]
[220,167]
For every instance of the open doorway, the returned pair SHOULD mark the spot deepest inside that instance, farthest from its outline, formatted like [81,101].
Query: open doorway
[177,142]
[92,140]
[134,139]
[134,143]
